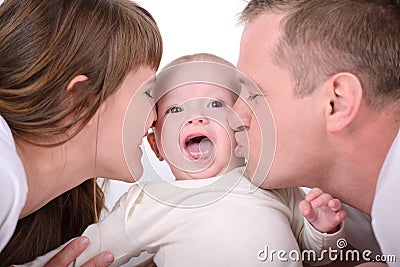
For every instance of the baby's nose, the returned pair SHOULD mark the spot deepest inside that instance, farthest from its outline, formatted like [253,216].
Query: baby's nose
[196,121]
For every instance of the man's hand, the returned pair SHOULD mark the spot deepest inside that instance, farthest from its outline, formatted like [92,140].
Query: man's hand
[71,251]
[322,211]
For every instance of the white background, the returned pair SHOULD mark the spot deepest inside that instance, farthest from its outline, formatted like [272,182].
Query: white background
[192,26]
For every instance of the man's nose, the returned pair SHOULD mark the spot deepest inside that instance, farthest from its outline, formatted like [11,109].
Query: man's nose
[240,117]
[199,120]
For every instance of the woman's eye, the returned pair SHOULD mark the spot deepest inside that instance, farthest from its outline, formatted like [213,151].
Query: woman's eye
[174,110]
[216,104]
[148,93]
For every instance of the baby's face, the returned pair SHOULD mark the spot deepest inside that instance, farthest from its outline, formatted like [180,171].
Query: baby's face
[192,131]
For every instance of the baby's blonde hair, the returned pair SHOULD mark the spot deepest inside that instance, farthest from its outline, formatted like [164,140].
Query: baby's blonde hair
[199,57]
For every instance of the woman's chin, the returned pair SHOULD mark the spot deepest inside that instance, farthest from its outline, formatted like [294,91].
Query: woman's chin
[134,163]
[135,173]
[133,156]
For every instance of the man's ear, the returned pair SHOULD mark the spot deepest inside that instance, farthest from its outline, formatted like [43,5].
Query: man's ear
[345,95]
[151,138]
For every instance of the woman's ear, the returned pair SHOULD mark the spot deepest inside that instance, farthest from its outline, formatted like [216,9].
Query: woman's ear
[77,79]
[72,83]
[151,138]
[345,95]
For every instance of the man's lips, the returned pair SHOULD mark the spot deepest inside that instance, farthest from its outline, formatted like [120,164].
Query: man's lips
[241,144]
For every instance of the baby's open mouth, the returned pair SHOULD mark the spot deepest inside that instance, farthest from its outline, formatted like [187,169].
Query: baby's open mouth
[199,147]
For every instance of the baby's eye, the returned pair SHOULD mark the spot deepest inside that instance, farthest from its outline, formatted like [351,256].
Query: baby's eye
[215,104]
[174,110]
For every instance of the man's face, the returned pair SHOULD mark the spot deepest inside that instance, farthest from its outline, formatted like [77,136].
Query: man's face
[192,131]
[296,119]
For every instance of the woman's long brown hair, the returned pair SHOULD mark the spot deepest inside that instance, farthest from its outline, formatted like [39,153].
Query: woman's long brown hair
[43,46]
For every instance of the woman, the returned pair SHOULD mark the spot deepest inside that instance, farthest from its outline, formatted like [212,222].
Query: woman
[68,69]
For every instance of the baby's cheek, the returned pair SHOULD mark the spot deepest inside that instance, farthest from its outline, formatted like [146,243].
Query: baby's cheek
[228,144]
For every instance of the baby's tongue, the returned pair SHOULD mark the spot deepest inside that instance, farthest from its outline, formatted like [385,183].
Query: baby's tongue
[200,149]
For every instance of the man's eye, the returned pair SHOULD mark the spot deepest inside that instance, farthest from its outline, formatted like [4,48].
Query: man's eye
[216,104]
[174,110]
[252,97]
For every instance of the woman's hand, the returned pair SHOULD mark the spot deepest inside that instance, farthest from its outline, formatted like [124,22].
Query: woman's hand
[71,251]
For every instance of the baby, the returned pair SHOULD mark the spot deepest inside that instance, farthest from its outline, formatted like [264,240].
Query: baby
[192,121]
[208,216]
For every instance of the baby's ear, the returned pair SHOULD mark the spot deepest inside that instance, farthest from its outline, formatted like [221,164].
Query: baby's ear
[151,138]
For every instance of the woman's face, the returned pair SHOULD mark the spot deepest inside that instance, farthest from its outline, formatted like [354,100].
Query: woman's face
[124,119]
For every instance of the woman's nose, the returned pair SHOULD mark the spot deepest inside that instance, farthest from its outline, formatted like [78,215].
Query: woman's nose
[240,117]
[152,117]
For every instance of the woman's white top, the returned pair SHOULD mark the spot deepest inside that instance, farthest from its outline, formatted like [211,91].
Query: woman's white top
[13,184]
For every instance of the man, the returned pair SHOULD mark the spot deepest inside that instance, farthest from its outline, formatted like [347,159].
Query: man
[330,73]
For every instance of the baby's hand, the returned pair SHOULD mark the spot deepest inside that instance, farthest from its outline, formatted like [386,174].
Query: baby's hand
[322,211]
